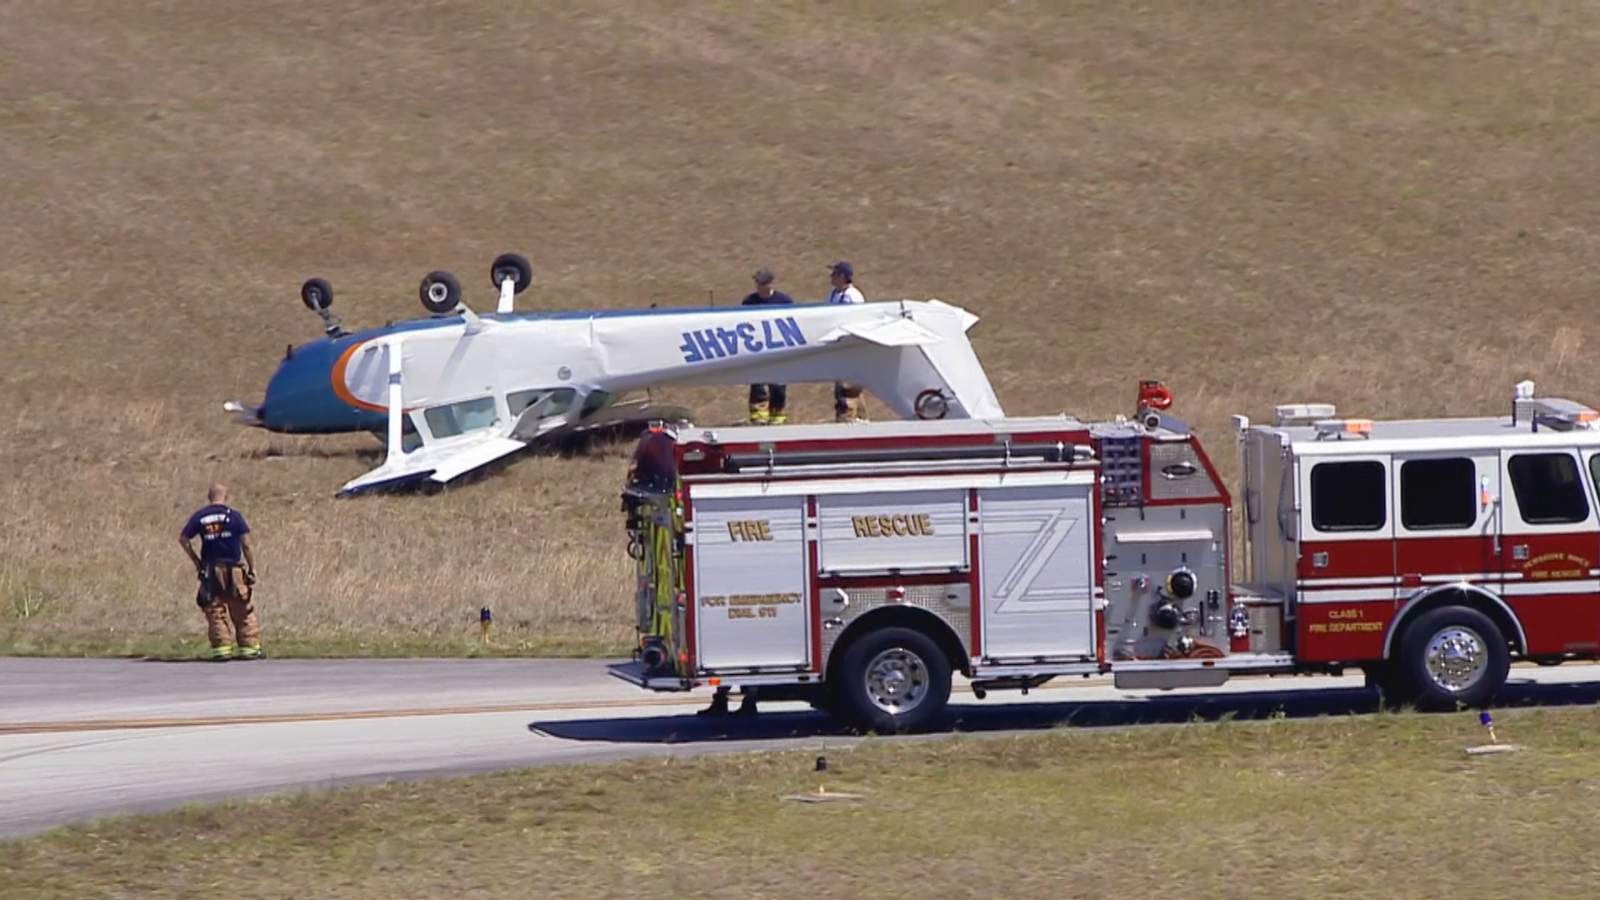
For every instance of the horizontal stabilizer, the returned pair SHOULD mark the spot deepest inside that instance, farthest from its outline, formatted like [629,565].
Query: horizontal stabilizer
[895,331]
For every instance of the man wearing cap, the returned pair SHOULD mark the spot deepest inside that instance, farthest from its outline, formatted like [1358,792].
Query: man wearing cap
[767,401]
[847,403]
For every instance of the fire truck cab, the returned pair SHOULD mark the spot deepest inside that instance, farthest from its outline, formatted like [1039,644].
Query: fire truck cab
[858,566]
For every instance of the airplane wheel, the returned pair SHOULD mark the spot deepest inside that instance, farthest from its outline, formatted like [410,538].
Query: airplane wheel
[513,266]
[316,294]
[440,292]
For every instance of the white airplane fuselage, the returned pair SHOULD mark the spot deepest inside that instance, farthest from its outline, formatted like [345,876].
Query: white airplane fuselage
[512,376]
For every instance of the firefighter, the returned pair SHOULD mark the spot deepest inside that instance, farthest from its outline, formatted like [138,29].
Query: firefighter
[768,401]
[226,568]
[848,405]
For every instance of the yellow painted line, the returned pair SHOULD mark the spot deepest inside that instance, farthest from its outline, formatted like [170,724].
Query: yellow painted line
[337,716]
[698,699]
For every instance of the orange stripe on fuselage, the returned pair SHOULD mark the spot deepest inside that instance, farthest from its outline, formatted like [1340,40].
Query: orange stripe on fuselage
[339,388]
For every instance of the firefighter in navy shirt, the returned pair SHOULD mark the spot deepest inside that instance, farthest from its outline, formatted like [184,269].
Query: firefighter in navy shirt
[227,571]
[768,402]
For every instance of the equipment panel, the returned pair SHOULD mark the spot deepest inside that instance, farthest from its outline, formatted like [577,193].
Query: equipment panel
[751,586]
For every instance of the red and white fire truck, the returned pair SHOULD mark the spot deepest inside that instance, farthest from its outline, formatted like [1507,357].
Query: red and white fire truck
[858,566]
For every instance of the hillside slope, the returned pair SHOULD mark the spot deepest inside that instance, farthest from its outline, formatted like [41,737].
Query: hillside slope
[1386,205]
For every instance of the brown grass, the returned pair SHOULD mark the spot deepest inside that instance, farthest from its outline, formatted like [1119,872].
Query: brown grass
[1386,205]
[1385,806]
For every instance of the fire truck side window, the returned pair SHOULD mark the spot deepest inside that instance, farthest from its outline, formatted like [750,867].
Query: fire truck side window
[1348,496]
[1437,493]
[1548,488]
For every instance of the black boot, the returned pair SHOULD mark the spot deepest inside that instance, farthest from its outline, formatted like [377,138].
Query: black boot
[718,707]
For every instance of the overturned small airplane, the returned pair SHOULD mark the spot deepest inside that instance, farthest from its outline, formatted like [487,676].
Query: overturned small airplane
[456,391]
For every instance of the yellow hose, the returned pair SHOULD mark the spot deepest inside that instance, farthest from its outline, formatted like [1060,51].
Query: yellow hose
[661,574]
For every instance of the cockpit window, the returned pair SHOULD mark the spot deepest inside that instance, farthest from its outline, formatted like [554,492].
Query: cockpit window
[457,418]
[549,402]
[595,401]
[409,438]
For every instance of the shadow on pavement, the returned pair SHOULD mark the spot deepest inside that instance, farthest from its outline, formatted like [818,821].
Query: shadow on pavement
[977,717]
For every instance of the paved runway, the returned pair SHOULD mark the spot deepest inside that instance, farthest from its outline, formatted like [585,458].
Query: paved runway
[80,739]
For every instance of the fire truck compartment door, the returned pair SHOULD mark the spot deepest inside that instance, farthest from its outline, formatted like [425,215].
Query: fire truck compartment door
[750,583]
[906,531]
[1036,555]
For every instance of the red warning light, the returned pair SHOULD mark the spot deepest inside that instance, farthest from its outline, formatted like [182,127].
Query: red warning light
[1154,395]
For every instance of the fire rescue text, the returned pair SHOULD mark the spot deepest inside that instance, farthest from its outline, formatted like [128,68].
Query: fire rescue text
[749,530]
[897,525]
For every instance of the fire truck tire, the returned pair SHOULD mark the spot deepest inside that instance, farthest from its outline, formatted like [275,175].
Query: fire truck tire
[1453,657]
[892,681]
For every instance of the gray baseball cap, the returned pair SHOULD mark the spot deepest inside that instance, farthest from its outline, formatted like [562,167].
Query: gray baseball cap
[764,276]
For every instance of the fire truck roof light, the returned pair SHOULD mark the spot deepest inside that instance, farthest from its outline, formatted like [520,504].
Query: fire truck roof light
[1560,414]
[1301,413]
[1338,428]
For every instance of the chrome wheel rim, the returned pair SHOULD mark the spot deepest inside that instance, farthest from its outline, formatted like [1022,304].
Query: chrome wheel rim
[897,681]
[1457,658]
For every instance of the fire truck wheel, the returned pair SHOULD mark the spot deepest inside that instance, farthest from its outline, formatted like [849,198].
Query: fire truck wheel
[892,681]
[1453,657]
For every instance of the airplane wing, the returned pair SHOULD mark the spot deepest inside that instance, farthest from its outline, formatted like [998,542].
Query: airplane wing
[439,464]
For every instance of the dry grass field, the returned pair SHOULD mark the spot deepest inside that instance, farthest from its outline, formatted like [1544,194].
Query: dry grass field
[1389,205]
[1384,806]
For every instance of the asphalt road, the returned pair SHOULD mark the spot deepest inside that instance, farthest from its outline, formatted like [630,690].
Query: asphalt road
[82,739]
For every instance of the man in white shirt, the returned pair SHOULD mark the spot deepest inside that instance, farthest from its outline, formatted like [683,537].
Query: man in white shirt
[844,289]
[848,405]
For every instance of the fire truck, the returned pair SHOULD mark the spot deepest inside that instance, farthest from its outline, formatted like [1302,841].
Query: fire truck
[859,566]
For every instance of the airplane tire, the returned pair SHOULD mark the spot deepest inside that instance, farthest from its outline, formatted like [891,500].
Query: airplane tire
[514,266]
[316,294]
[440,292]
